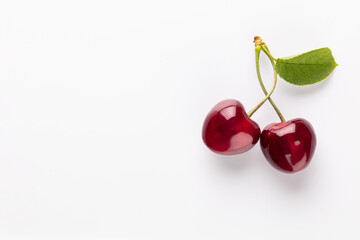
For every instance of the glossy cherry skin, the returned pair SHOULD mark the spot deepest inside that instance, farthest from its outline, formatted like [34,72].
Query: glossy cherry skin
[228,130]
[289,146]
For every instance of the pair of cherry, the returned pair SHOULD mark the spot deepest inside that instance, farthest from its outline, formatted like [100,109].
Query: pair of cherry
[288,146]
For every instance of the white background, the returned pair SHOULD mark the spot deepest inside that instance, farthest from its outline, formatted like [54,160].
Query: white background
[101,109]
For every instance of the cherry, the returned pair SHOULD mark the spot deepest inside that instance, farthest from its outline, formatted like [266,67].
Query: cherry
[228,130]
[289,146]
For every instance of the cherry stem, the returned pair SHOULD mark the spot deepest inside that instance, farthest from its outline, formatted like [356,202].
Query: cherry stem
[257,55]
[272,60]
[267,52]
[259,45]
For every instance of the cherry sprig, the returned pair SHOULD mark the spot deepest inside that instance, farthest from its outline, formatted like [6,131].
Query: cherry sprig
[289,145]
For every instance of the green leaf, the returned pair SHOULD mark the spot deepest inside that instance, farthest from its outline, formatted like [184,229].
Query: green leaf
[306,68]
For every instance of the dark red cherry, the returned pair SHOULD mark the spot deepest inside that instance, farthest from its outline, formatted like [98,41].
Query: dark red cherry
[288,146]
[228,130]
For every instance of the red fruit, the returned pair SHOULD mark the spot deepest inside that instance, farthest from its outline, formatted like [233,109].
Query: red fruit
[289,146]
[228,130]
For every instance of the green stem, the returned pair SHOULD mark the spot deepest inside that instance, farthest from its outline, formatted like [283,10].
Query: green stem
[267,52]
[272,60]
[257,56]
